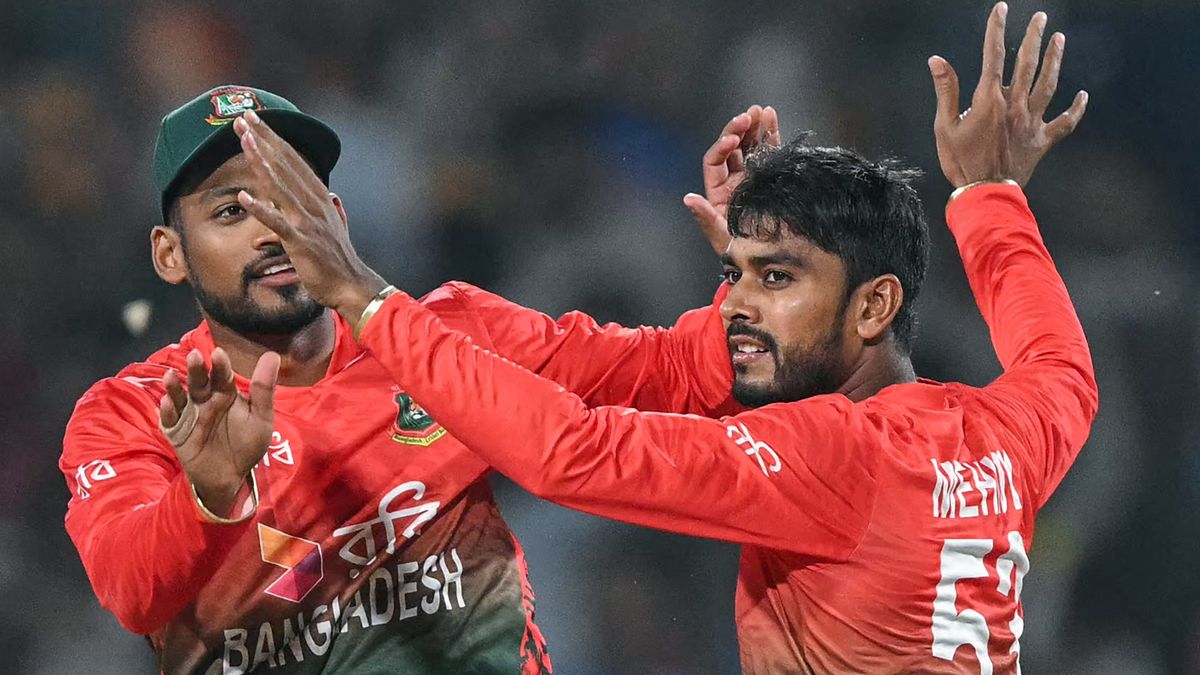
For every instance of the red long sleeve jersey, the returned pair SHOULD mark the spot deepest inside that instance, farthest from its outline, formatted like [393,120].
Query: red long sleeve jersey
[376,546]
[889,535]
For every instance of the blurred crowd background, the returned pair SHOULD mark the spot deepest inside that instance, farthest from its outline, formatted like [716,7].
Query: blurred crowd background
[541,150]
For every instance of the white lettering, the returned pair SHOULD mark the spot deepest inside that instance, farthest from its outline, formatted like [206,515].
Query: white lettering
[323,628]
[425,587]
[363,534]
[405,588]
[955,482]
[452,579]
[943,505]
[374,595]
[999,499]
[235,643]
[355,610]
[292,641]
[92,472]
[429,605]
[1002,459]
[741,437]
[264,652]
[964,511]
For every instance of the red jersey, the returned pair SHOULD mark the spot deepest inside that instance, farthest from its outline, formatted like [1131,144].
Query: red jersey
[376,542]
[887,535]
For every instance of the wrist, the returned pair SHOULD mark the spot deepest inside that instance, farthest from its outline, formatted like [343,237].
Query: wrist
[958,191]
[370,309]
[357,295]
[225,501]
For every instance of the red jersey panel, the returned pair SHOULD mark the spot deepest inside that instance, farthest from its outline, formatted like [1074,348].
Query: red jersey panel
[888,535]
[376,543]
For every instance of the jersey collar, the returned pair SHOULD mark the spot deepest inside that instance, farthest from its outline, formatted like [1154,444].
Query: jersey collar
[345,349]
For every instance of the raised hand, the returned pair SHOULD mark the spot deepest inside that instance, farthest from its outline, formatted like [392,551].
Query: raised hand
[293,202]
[724,167]
[1003,134]
[218,433]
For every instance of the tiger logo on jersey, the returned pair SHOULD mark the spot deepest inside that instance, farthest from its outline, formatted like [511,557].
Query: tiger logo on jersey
[413,425]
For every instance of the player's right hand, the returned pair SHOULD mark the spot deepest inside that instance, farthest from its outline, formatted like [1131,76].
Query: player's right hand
[218,433]
[1002,135]
[724,167]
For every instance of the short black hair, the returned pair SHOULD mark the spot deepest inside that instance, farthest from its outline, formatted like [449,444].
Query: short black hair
[866,213]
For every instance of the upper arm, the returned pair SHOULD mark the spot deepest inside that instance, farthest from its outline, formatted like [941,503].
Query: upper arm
[684,368]
[1047,395]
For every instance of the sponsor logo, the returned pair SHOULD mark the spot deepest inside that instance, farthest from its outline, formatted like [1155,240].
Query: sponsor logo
[756,449]
[413,425]
[301,558]
[230,103]
[393,593]
[91,473]
[360,549]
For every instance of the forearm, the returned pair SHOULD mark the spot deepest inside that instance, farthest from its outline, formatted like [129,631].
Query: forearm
[683,368]
[679,473]
[1019,292]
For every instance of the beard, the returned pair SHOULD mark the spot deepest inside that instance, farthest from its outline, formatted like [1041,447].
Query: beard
[246,317]
[800,372]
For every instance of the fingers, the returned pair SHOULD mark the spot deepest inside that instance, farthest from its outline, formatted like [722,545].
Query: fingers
[753,134]
[945,86]
[712,224]
[275,148]
[167,414]
[197,377]
[1064,124]
[221,376]
[262,386]
[274,175]
[175,390]
[993,52]
[1027,59]
[770,124]
[268,214]
[715,167]
[1047,82]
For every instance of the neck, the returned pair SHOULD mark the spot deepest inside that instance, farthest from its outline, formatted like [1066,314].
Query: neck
[305,354]
[879,368]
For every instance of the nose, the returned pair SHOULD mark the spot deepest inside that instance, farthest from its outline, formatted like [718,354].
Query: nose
[265,237]
[739,305]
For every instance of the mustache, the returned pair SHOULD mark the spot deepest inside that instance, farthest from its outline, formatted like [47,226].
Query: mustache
[762,336]
[248,274]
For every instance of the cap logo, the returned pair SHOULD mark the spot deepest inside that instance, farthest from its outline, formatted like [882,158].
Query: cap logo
[230,103]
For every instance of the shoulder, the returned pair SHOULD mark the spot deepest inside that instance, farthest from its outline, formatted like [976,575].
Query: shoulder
[131,396]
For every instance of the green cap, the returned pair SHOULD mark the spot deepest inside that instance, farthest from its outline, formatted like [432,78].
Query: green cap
[198,137]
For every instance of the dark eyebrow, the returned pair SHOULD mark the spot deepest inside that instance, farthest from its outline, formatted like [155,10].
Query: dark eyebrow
[777,259]
[727,260]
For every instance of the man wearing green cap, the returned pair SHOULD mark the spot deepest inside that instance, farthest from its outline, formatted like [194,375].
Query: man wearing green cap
[327,524]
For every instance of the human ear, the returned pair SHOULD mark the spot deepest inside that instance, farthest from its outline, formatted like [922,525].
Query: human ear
[876,304]
[166,252]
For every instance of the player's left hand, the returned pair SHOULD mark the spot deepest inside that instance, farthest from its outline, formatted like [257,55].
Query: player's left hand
[1003,134]
[724,167]
[298,207]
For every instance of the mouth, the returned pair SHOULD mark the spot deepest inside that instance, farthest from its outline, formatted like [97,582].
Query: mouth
[276,272]
[745,350]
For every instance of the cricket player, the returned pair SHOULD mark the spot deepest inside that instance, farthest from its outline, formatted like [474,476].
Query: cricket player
[292,508]
[886,520]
